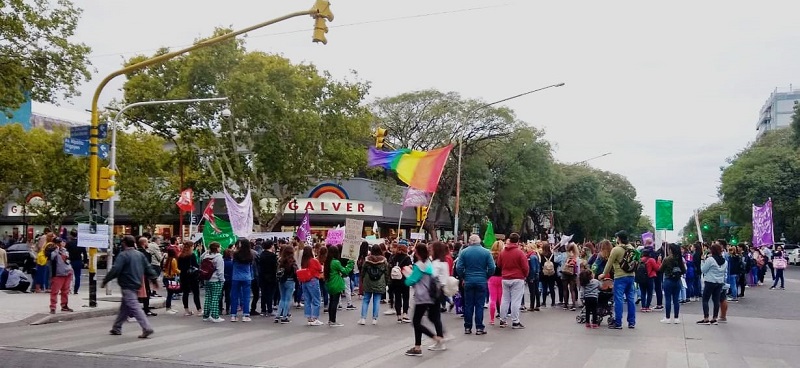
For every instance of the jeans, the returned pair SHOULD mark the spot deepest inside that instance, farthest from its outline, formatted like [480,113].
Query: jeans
[513,290]
[268,289]
[287,291]
[690,288]
[657,286]
[43,277]
[240,296]
[77,267]
[682,293]
[474,297]
[130,307]
[734,287]
[170,293]
[623,289]
[533,288]
[711,290]
[433,315]
[778,276]
[376,301]
[647,292]
[311,295]
[672,291]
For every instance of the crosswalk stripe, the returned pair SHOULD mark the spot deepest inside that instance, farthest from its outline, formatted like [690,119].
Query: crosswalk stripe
[71,334]
[173,339]
[306,355]
[96,337]
[245,354]
[697,360]
[218,343]
[677,360]
[754,362]
[375,357]
[608,358]
[463,353]
[532,353]
[52,328]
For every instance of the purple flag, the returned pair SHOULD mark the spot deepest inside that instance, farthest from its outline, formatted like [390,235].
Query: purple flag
[415,198]
[646,236]
[762,225]
[304,231]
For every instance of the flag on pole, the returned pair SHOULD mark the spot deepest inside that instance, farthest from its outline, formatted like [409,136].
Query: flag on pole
[664,214]
[415,198]
[208,215]
[219,231]
[240,214]
[418,169]
[488,237]
[304,231]
[697,225]
[186,200]
[375,228]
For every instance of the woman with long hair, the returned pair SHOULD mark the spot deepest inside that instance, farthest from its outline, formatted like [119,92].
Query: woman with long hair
[170,272]
[214,284]
[400,292]
[495,284]
[419,277]
[287,274]
[335,277]
[190,282]
[241,279]
[600,261]
[374,275]
[713,268]
[309,275]
[673,268]
[548,281]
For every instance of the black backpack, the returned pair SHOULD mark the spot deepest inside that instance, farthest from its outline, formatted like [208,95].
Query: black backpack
[375,272]
[434,289]
[641,273]
[630,260]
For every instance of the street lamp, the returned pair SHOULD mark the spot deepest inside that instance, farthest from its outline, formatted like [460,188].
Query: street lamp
[112,163]
[461,147]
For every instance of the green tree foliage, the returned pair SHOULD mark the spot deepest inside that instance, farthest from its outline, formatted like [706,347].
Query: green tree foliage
[709,224]
[147,183]
[16,160]
[291,124]
[795,125]
[644,225]
[36,55]
[768,168]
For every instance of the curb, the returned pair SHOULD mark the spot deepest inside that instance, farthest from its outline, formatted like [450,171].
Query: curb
[41,319]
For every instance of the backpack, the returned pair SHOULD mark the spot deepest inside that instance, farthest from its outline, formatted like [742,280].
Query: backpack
[434,289]
[641,273]
[535,267]
[569,267]
[375,272]
[207,269]
[549,268]
[630,260]
[397,272]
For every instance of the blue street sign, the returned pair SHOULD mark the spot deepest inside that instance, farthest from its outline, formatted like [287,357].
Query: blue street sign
[102,131]
[77,147]
[102,151]
[79,132]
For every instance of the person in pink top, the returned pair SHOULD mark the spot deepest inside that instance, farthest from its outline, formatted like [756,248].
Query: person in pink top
[514,263]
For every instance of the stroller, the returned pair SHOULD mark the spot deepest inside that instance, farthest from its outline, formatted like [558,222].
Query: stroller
[605,308]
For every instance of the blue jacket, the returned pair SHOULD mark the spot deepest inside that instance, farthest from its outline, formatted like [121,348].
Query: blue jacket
[242,271]
[474,264]
[228,269]
[714,272]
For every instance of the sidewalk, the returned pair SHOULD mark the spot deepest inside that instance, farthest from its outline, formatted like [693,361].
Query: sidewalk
[34,309]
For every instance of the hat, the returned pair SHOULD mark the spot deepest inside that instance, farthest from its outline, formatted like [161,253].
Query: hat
[474,239]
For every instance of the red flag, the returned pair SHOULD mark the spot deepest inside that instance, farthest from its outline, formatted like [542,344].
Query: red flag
[208,215]
[186,201]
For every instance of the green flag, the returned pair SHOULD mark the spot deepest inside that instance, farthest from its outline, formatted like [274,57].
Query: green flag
[488,236]
[224,237]
[664,214]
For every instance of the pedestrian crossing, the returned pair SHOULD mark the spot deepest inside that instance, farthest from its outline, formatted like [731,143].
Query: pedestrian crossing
[264,344]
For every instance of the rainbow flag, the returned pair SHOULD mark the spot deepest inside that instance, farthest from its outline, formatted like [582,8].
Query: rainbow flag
[419,169]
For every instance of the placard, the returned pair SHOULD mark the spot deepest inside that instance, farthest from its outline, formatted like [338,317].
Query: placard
[335,237]
[88,240]
[352,238]
[418,236]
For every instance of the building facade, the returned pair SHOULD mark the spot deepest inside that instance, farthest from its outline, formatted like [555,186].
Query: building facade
[777,110]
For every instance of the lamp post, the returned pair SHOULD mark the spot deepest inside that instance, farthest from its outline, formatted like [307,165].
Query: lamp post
[461,147]
[112,163]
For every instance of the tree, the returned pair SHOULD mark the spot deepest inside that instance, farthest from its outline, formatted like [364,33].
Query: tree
[644,225]
[795,124]
[768,168]
[584,207]
[36,57]
[709,223]
[17,161]
[146,182]
[291,123]
[61,179]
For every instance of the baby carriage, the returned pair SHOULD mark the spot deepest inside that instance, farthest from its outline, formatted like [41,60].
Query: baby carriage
[605,307]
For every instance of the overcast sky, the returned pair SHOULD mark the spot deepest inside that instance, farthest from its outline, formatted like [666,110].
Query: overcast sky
[671,89]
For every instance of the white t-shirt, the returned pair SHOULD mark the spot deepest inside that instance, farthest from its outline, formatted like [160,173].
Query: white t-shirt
[442,271]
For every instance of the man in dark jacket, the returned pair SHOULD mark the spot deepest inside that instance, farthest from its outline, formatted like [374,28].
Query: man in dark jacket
[130,269]
[77,258]
[268,280]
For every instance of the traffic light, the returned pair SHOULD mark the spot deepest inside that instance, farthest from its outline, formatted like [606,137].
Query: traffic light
[380,136]
[706,227]
[107,183]
[422,214]
[321,13]
[734,241]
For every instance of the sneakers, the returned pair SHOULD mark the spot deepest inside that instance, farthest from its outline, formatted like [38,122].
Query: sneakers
[234,319]
[439,346]
[146,333]
[374,321]
[115,332]
[666,321]
[315,322]
[517,326]
[206,319]
[503,324]
[246,319]
[131,319]
[335,324]
[414,352]
[217,320]
[714,322]
[676,321]
[704,322]
[285,320]
[614,326]
[362,321]
[722,320]
[66,309]
[389,312]
[631,326]
[171,311]
[351,307]
[480,332]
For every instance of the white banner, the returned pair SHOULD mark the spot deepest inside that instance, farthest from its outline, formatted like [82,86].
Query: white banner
[88,240]
[697,225]
[329,206]
[352,238]
[271,235]
[418,236]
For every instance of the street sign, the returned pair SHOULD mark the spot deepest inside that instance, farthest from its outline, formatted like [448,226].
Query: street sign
[102,131]
[79,132]
[102,151]
[77,147]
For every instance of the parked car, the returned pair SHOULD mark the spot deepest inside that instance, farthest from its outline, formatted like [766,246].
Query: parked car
[792,253]
[22,255]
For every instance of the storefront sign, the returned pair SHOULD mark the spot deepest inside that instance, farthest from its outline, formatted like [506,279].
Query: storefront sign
[333,206]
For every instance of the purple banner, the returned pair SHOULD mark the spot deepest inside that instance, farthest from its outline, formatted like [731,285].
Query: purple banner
[646,236]
[762,225]
[304,231]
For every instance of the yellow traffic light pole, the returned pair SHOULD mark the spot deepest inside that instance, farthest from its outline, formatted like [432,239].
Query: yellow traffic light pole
[320,12]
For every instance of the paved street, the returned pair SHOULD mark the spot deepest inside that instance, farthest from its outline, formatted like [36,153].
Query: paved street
[762,333]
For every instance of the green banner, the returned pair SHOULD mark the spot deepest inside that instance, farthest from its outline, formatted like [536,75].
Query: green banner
[222,234]
[664,214]
[488,237]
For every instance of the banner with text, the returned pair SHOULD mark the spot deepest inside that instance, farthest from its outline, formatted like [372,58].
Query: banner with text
[352,238]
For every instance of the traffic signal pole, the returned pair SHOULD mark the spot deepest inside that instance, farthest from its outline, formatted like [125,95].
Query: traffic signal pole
[320,10]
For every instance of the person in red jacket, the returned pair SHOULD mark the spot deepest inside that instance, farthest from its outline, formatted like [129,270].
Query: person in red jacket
[514,263]
[651,266]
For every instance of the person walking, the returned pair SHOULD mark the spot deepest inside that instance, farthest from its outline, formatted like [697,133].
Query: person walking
[421,277]
[474,266]
[623,263]
[779,262]
[514,263]
[214,284]
[131,269]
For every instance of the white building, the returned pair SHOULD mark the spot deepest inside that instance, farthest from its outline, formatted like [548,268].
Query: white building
[777,110]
